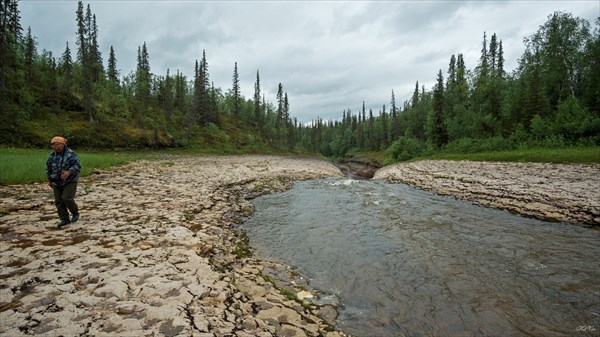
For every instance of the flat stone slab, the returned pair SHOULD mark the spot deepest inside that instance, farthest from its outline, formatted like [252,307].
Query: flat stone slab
[555,192]
[155,252]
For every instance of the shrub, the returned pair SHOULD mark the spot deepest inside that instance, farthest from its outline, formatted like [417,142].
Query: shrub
[519,138]
[406,148]
[574,121]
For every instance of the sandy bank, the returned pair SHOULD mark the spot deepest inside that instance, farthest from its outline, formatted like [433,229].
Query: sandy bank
[557,192]
[154,254]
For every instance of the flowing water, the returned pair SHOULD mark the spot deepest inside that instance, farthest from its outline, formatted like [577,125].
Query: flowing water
[403,262]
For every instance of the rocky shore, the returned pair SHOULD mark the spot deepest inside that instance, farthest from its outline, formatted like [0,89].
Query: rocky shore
[555,192]
[156,253]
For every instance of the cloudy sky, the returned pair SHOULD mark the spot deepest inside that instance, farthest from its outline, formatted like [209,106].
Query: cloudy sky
[329,55]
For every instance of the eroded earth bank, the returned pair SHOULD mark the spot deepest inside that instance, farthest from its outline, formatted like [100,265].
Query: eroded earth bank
[154,254]
[555,192]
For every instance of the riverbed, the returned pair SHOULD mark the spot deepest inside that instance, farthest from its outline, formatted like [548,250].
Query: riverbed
[154,253]
[400,261]
[157,251]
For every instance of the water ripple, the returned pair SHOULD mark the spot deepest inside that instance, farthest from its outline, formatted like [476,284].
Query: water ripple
[404,262]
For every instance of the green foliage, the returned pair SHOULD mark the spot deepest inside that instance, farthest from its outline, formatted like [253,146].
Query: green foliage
[22,166]
[41,97]
[406,148]
[290,294]
[544,104]
[574,121]
[580,154]
[473,145]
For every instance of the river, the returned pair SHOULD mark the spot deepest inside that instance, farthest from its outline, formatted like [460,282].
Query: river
[399,261]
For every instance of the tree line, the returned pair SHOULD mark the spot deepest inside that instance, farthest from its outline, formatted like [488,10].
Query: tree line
[140,108]
[551,99]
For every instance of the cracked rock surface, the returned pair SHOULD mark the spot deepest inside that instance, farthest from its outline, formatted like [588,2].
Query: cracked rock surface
[556,192]
[154,254]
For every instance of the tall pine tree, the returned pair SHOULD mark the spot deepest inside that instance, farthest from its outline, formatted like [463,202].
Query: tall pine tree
[257,108]
[66,69]
[113,72]
[439,136]
[235,92]
[395,119]
[143,78]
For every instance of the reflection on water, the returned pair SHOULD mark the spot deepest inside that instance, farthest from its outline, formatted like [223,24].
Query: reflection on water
[403,262]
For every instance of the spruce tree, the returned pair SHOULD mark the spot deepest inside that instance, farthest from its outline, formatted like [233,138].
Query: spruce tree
[97,68]
[493,54]
[290,132]
[364,112]
[195,112]
[180,92]
[235,91]
[415,96]
[280,116]
[480,102]
[84,28]
[257,109]
[206,109]
[439,136]
[286,108]
[371,132]
[113,73]
[384,129]
[10,78]
[482,70]
[81,34]
[66,67]
[143,78]
[29,58]
[451,73]
[47,83]
[460,118]
[500,66]
[395,119]
[167,96]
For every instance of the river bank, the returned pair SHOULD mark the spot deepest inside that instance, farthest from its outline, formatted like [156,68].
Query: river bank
[155,253]
[554,192]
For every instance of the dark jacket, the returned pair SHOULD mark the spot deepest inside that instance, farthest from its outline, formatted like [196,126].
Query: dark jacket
[59,162]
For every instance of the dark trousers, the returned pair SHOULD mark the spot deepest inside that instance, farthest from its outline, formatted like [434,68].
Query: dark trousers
[64,199]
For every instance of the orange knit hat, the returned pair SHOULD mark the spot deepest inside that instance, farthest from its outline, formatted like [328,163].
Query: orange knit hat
[58,139]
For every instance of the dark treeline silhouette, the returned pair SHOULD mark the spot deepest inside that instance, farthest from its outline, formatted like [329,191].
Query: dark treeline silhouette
[552,99]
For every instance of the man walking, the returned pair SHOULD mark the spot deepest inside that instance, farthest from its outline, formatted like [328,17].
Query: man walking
[62,169]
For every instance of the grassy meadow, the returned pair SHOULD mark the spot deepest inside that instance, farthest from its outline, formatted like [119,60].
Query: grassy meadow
[582,155]
[23,166]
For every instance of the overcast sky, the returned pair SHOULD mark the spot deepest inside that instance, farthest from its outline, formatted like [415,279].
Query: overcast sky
[329,56]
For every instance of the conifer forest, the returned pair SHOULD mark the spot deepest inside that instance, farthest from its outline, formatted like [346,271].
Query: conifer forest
[551,100]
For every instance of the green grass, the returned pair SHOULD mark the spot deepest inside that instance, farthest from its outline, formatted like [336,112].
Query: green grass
[23,166]
[583,155]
